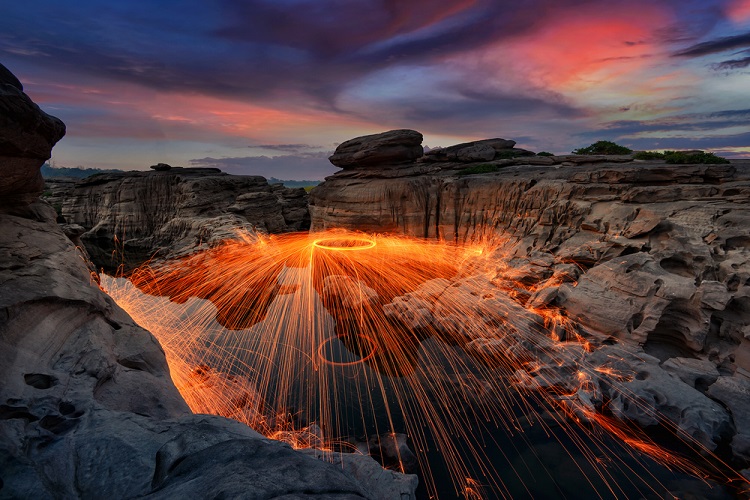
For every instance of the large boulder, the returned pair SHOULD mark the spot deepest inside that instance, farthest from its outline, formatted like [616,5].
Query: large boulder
[387,148]
[27,135]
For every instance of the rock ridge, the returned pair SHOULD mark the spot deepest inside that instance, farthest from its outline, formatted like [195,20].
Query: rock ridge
[136,216]
[655,257]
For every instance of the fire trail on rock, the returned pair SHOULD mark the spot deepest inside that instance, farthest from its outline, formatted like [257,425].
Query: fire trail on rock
[315,338]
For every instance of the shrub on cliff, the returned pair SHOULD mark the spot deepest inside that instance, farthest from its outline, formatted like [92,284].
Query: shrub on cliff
[680,157]
[648,155]
[544,153]
[603,148]
[484,168]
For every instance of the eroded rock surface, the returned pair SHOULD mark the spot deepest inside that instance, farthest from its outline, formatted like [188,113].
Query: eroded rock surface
[27,135]
[395,146]
[131,217]
[654,256]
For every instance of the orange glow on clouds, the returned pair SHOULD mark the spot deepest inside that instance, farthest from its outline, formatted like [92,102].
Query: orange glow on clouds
[739,11]
[576,52]
[190,116]
[240,119]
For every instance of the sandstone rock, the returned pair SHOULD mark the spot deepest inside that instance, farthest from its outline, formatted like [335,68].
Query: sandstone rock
[27,135]
[374,479]
[636,388]
[468,152]
[394,146]
[647,253]
[734,393]
[697,373]
[133,216]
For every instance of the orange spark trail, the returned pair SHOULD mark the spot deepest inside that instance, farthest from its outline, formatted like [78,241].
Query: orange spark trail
[307,337]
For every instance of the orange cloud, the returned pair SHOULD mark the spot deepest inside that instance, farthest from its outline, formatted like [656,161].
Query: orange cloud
[575,52]
[235,118]
[738,11]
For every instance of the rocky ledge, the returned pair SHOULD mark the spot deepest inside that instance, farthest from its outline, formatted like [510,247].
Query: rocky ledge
[130,217]
[87,405]
[649,256]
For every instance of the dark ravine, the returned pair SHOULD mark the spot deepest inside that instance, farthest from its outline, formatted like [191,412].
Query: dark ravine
[87,406]
[655,256]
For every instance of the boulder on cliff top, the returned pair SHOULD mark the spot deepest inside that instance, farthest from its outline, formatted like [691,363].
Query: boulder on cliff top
[394,146]
[27,135]
[484,150]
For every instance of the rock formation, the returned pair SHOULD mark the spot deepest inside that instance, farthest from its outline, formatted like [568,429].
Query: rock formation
[27,135]
[130,217]
[87,406]
[396,146]
[653,256]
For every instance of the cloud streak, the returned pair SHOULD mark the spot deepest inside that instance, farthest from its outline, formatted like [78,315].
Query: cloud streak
[714,46]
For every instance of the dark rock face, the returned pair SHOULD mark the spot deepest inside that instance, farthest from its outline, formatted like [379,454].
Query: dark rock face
[27,135]
[655,256]
[87,406]
[392,147]
[136,215]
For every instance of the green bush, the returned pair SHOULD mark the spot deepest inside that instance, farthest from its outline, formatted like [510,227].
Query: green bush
[648,155]
[507,155]
[544,153]
[679,157]
[603,148]
[484,168]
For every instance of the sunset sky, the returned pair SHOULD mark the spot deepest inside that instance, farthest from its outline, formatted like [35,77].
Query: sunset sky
[269,87]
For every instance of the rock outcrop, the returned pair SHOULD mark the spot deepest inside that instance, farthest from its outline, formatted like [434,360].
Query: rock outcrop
[396,146]
[27,135]
[87,406]
[131,217]
[652,255]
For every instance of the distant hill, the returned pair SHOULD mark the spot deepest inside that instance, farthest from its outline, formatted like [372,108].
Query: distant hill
[49,172]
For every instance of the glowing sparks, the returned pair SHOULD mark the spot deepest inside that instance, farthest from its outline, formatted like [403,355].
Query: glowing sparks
[312,339]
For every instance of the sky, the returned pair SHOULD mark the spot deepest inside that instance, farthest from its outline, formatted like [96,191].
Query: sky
[270,87]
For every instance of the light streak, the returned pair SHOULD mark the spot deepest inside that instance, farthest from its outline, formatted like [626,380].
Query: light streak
[314,338]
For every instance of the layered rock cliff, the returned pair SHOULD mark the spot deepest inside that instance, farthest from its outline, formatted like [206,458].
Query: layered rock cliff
[87,406]
[131,217]
[654,256]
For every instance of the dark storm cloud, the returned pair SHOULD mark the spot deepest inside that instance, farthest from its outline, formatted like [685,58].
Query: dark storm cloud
[715,46]
[288,167]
